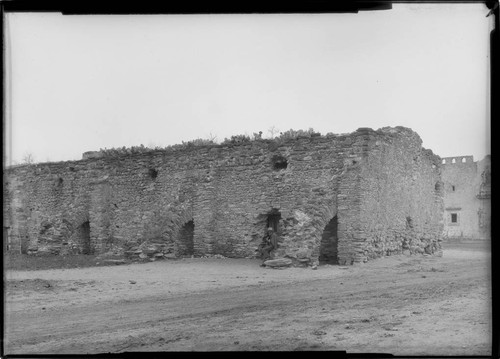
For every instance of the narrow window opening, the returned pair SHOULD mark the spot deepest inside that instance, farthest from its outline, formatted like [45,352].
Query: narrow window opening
[444,162]
[464,160]
[453,188]
[409,223]
[453,161]
[279,163]
[454,218]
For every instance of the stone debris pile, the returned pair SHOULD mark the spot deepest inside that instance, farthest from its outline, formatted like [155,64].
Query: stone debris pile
[218,256]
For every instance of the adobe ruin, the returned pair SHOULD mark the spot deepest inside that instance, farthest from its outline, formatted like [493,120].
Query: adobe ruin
[334,199]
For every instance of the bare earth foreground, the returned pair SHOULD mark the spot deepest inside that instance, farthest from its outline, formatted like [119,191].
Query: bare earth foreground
[404,305]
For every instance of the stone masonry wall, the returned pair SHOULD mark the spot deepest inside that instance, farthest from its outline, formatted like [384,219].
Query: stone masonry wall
[467,202]
[217,199]
[402,198]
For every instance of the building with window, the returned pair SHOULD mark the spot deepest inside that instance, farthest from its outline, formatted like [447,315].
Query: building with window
[467,197]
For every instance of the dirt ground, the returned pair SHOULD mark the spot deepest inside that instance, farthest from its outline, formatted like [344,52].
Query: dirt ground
[404,305]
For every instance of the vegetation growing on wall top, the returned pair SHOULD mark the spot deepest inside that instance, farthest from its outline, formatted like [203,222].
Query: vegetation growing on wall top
[200,142]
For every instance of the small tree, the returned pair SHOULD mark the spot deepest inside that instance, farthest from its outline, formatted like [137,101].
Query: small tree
[257,136]
[28,158]
[212,137]
[273,131]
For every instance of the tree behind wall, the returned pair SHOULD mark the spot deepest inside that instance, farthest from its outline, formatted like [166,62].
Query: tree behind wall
[28,158]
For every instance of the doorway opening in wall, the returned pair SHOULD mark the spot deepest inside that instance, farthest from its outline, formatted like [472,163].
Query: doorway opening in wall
[328,248]
[24,244]
[84,236]
[185,240]
[273,220]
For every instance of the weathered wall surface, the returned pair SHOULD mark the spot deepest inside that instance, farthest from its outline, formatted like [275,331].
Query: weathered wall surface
[219,199]
[467,186]
[402,198]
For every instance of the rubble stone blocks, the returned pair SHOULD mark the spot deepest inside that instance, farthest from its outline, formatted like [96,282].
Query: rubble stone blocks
[338,199]
[279,262]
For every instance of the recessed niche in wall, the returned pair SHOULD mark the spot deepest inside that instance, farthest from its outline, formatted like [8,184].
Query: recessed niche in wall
[153,173]
[437,186]
[279,162]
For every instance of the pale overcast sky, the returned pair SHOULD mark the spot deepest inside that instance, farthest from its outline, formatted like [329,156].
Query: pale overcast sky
[80,83]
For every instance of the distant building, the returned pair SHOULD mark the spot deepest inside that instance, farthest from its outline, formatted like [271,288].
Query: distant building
[467,197]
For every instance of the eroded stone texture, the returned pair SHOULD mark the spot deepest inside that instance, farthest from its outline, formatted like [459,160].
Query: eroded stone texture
[219,199]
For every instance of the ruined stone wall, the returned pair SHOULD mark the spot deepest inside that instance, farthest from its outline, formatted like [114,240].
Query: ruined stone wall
[467,213]
[219,199]
[402,201]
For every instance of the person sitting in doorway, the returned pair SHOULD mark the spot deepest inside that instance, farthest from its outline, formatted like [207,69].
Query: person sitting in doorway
[269,243]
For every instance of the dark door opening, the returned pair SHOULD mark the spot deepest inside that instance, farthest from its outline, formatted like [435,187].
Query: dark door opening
[185,240]
[273,220]
[84,238]
[24,244]
[328,249]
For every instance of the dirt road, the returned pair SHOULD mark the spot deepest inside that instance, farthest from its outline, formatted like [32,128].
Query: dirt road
[404,305]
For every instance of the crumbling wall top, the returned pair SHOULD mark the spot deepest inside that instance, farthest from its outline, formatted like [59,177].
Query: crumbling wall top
[289,138]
